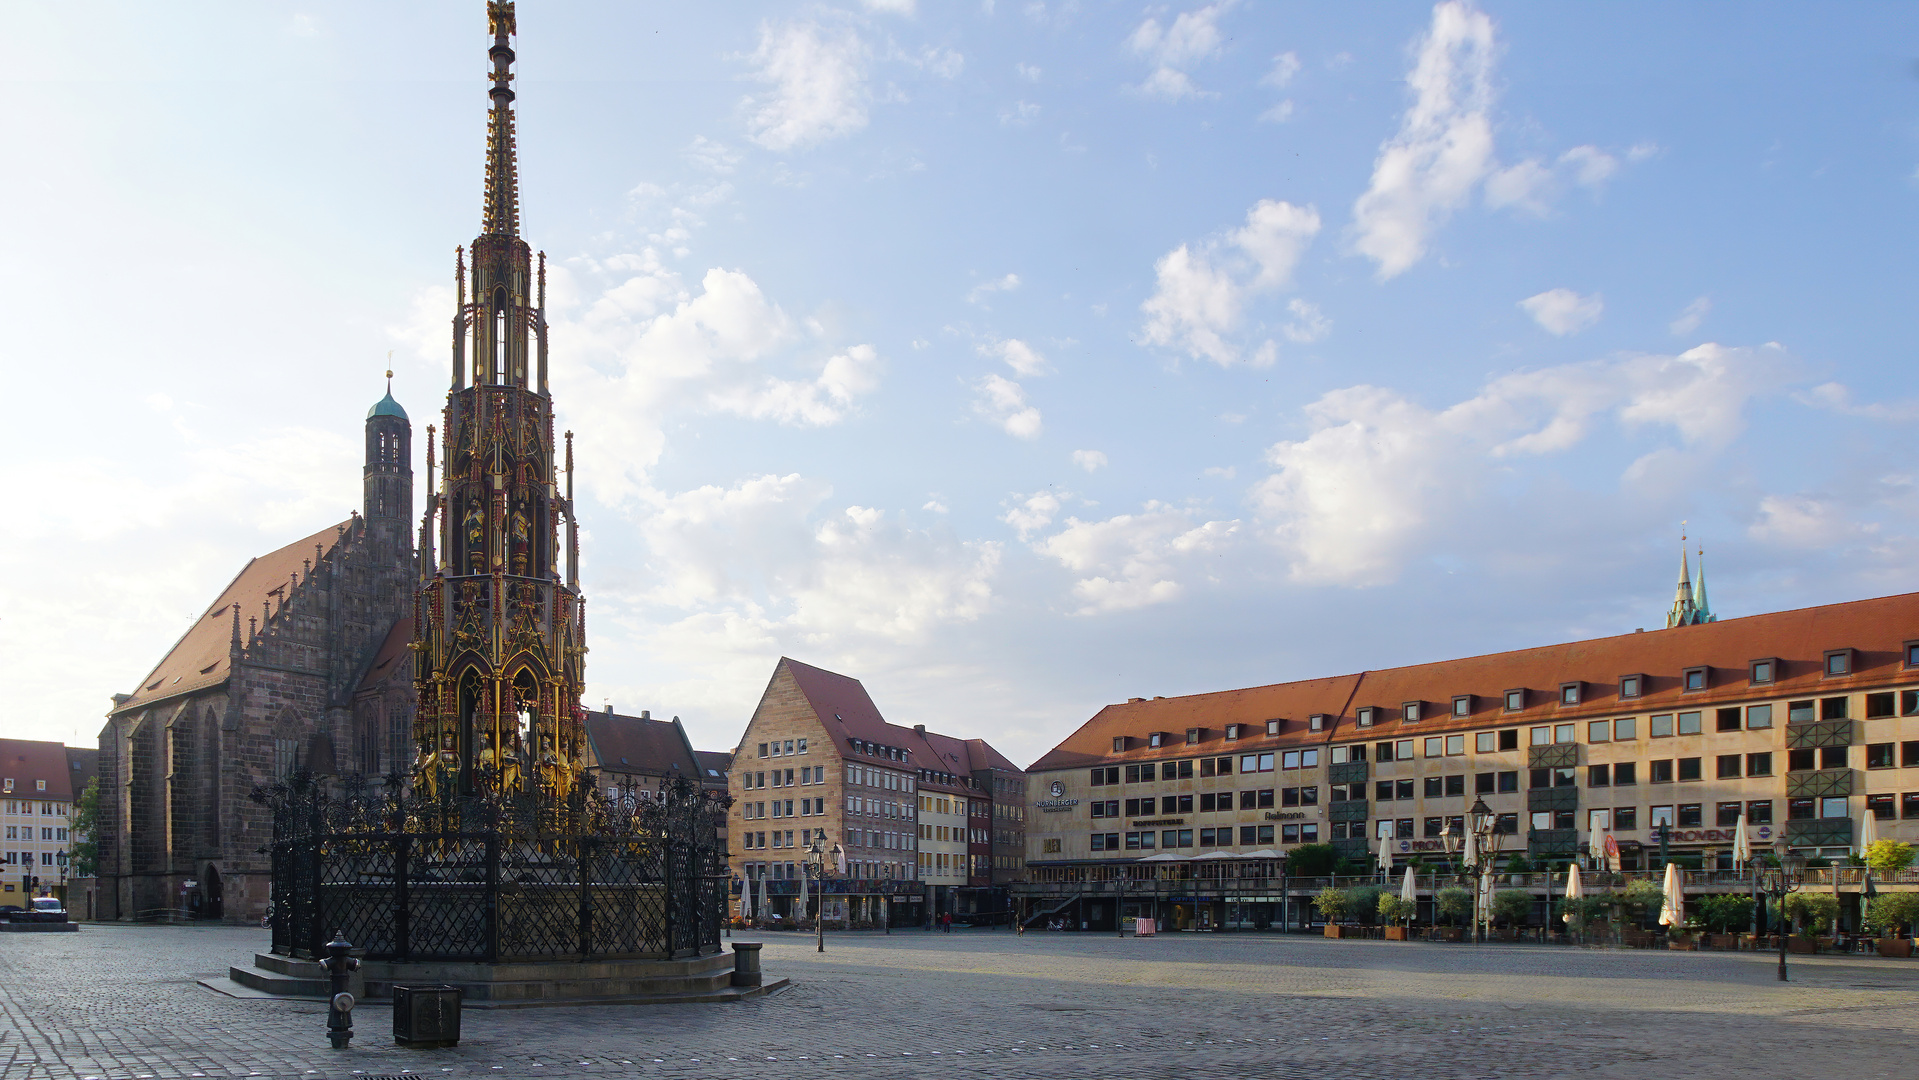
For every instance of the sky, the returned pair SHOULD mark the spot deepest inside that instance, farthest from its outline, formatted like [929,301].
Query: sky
[1014,358]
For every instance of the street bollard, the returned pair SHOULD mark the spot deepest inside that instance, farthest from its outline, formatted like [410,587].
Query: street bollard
[746,963]
[339,1017]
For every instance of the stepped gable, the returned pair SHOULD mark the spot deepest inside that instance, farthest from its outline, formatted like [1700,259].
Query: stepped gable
[201,658]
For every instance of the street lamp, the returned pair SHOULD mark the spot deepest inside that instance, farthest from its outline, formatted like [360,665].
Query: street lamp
[817,868]
[1776,882]
[1479,843]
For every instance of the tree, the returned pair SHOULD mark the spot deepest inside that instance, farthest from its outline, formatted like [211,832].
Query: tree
[1519,864]
[1394,908]
[1512,906]
[1582,911]
[1723,913]
[1362,903]
[1812,910]
[1892,911]
[1331,903]
[1455,903]
[1888,857]
[1312,860]
[83,855]
[1643,895]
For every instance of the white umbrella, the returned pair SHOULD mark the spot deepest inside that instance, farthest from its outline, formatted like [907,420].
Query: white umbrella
[1868,831]
[763,905]
[1472,853]
[1408,891]
[1741,844]
[1385,858]
[1596,848]
[1673,911]
[1486,899]
[802,911]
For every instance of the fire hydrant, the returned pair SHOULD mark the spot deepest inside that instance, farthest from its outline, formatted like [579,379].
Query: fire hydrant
[339,1017]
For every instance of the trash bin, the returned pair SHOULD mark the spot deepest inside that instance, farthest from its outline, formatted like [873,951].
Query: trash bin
[425,1016]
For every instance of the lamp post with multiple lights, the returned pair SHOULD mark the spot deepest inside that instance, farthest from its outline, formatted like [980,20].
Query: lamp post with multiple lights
[1479,844]
[1777,882]
[816,869]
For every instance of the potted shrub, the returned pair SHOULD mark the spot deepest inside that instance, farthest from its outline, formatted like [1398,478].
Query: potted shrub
[1455,904]
[1581,912]
[1890,914]
[1809,911]
[1512,907]
[1392,910]
[1331,904]
[1723,916]
[1519,870]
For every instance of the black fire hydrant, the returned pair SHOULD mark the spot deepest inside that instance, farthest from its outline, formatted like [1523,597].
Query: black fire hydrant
[339,1016]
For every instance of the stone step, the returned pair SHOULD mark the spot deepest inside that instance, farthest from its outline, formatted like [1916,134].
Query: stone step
[287,965]
[279,983]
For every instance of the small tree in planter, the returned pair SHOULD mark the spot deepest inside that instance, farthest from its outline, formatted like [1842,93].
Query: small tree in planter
[1580,912]
[1890,914]
[1331,904]
[1512,906]
[1810,912]
[1312,860]
[1455,904]
[1888,857]
[1393,909]
[1519,865]
[1644,896]
[1362,904]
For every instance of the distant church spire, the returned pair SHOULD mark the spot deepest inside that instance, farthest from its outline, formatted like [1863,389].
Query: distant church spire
[1699,593]
[1689,606]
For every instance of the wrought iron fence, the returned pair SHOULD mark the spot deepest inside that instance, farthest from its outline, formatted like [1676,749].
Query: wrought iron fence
[495,878]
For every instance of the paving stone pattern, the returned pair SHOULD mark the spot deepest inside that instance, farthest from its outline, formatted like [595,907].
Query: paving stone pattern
[114,1002]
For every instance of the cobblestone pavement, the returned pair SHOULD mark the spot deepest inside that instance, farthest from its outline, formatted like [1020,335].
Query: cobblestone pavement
[114,1002]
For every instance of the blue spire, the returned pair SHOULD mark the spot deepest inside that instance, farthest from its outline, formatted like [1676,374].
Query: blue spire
[386,406]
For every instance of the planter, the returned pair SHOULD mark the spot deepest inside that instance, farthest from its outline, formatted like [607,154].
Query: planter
[1804,946]
[1398,933]
[1898,948]
[1682,944]
[1452,933]
[1335,930]
[1728,942]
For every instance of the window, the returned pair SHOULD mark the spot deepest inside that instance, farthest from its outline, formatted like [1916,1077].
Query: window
[1909,806]
[1155,738]
[1176,804]
[1832,708]
[1483,783]
[1693,679]
[1691,723]
[1879,756]
[1761,671]
[1878,705]
[1759,764]
[1599,776]
[1624,728]
[1141,841]
[1542,736]
[1799,809]
[1726,814]
[1625,773]
[1659,727]
[1909,755]
[1729,766]
[1141,774]
[1409,712]
[1366,716]
[1509,782]
[1801,759]
[1106,841]
[1515,700]
[762,750]
[1176,838]
[1660,815]
[1505,824]
[1690,816]
[1509,739]
[1435,747]
[1629,686]
[1192,736]
[1232,732]
[1255,763]
[1835,806]
[1272,727]
[1565,777]
[1726,720]
[1625,818]
[1342,754]
[1384,752]
[802,746]
[1433,787]
[1598,821]
[1105,807]
[1599,731]
[1432,828]
[1880,806]
[1402,750]
[1569,693]
[1542,819]
[1455,745]
[1689,768]
[1661,772]
[1800,712]
[1383,791]
[1912,654]
[1759,812]
[1833,757]
[1485,742]
[1119,744]
[1565,733]
[1107,775]
[1463,705]
[1540,778]
[1839,662]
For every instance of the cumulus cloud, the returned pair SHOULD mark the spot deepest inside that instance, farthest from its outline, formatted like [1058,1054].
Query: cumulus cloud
[1308,324]
[986,289]
[1032,513]
[891,7]
[1285,66]
[1444,146]
[1003,402]
[1191,37]
[1688,320]
[1805,522]
[1379,474]
[1090,460]
[1201,290]
[817,79]
[1018,114]
[1021,357]
[1561,312]
[1134,560]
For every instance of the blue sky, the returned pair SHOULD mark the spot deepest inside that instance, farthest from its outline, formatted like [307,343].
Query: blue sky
[1015,358]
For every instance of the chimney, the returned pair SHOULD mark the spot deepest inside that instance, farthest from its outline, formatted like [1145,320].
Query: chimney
[609,708]
[1134,700]
[919,729]
[646,714]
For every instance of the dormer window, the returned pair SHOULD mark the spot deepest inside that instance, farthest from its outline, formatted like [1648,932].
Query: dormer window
[1630,685]
[1155,739]
[1515,700]
[1119,744]
[1316,722]
[1232,732]
[1409,712]
[1272,727]
[1366,716]
[1569,693]
[1192,736]
[1463,705]
[1839,662]
[1694,679]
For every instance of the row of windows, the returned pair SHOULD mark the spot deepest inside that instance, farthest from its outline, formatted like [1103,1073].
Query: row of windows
[786,748]
[875,807]
[784,808]
[1223,836]
[783,777]
[25,832]
[26,858]
[47,809]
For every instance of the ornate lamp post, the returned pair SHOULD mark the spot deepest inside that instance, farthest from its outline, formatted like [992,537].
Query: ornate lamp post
[1776,882]
[1479,844]
[817,871]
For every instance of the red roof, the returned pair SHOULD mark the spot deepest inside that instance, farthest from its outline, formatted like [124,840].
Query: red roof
[848,713]
[1876,630]
[25,762]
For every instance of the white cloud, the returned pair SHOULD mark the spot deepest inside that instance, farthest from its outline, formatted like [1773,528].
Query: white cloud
[1528,186]
[891,7]
[935,506]
[987,288]
[818,79]
[1018,114]
[1032,513]
[1444,146]
[1562,311]
[1379,476]
[1191,37]
[1090,460]
[1131,560]
[1591,166]
[1285,66]
[1197,303]
[1308,324]
[1021,357]
[1804,522]
[1689,319]
[1029,72]
[943,62]
[1837,398]
[1003,401]
[819,402]
[1278,114]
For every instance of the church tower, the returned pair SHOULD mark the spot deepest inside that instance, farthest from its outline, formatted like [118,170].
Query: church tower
[501,634]
[388,476]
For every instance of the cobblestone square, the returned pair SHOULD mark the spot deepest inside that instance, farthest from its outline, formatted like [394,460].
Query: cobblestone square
[124,1002]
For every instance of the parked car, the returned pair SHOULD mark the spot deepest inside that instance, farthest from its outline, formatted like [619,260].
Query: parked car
[44,909]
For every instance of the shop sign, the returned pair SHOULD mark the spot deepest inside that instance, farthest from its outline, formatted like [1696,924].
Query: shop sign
[1056,806]
[1285,815]
[1694,836]
[1422,845]
[1143,823]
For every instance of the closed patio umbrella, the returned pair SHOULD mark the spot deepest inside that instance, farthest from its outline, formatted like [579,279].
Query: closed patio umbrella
[1574,889]
[803,897]
[1408,891]
[1868,831]
[1673,912]
[1741,844]
[1385,858]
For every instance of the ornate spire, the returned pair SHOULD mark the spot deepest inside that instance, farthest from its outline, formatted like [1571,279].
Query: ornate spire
[502,214]
[1683,612]
[1700,605]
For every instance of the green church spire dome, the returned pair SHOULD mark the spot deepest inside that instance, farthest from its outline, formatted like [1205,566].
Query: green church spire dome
[386,406]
